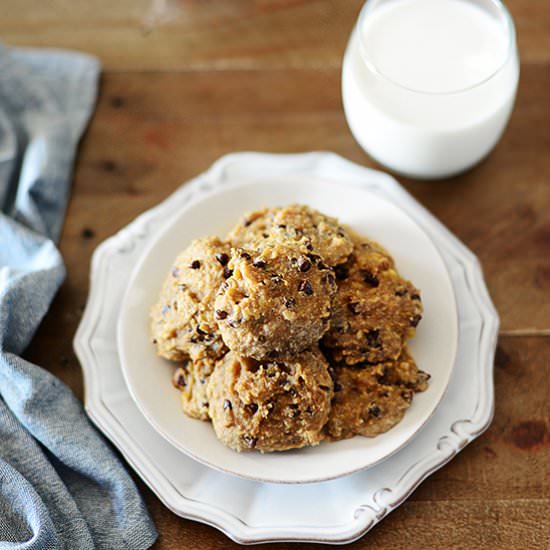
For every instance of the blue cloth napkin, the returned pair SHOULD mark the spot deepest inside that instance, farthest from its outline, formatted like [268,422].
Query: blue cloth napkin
[61,486]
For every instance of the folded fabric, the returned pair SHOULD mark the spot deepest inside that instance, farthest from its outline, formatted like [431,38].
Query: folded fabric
[61,485]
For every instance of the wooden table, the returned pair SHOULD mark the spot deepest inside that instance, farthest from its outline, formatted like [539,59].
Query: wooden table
[187,81]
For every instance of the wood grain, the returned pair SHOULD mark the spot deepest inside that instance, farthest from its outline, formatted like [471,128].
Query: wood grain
[187,81]
[217,34]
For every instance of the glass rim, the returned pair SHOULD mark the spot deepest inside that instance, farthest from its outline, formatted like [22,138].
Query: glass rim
[510,32]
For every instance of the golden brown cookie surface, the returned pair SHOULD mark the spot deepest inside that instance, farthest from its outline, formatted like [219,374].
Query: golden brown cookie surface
[297,226]
[375,310]
[372,399]
[183,323]
[270,405]
[277,300]
[191,378]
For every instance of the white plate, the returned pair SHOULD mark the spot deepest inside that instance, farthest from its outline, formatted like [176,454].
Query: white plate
[337,511]
[149,377]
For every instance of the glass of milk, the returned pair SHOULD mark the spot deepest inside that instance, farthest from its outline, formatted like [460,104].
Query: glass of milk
[428,85]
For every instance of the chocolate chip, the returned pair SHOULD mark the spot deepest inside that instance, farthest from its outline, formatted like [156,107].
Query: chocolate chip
[304,265]
[415,297]
[354,308]
[252,408]
[250,441]
[415,320]
[283,367]
[305,287]
[195,264]
[265,235]
[401,293]
[382,377]
[322,266]
[223,258]
[227,405]
[309,246]
[246,255]
[289,302]
[373,338]
[281,226]
[341,272]
[154,340]
[314,258]
[369,278]
[294,408]
[247,221]
[220,314]
[179,379]
[227,272]
[260,264]
[374,410]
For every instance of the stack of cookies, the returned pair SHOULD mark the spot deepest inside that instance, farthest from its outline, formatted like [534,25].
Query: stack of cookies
[291,331]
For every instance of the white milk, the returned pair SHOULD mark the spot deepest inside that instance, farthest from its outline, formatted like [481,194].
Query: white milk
[428,85]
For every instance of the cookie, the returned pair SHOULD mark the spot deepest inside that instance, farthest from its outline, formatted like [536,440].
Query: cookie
[252,229]
[375,310]
[192,380]
[277,300]
[370,400]
[295,226]
[270,405]
[183,321]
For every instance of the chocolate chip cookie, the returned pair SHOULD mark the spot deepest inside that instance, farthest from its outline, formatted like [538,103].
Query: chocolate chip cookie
[183,321]
[375,310]
[270,405]
[277,300]
[297,226]
[369,400]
